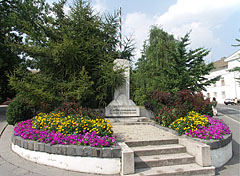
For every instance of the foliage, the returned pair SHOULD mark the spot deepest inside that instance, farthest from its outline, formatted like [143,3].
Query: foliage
[71,124]
[202,105]
[238,40]
[165,116]
[190,68]
[72,108]
[9,58]
[215,130]
[237,70]
[192,121]
[46,93]
[128,48]
[182,101]
[25,130]
[157,99]
[19,110]
[168,65]
[151,68]
[73,54]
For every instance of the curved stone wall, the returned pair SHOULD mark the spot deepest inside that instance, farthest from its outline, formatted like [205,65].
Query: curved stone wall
[220,150]
[96,160]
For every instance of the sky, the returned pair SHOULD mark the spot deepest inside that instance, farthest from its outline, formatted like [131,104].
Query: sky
[214,24]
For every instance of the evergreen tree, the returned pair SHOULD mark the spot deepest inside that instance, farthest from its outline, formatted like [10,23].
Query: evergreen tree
[189,68]
[9,58]
[168,65]
[73,53]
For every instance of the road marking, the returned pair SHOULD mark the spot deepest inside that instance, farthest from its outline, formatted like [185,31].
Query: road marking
[231,118]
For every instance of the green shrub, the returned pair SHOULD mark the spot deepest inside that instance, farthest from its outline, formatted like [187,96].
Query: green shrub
[182,101]
[72,108]
[165,116]
[18,110]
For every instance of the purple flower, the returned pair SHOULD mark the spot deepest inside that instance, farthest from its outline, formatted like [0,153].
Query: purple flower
[215,130]
[25,130]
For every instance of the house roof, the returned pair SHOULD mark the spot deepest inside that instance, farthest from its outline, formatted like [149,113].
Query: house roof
[220,64]
[234,56]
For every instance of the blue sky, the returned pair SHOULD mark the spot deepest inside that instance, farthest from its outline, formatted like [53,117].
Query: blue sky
[214,23]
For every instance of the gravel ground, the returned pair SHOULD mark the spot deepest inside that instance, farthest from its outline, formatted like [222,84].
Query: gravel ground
[140,132]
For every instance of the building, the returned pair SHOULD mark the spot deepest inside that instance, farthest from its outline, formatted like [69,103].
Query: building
[227,86]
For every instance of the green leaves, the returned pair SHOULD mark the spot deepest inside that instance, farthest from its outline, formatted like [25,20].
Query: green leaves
[44,89]
[73,53]
[168,65]
[9,58]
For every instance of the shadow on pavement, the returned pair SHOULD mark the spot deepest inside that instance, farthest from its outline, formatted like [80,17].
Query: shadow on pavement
[3,114]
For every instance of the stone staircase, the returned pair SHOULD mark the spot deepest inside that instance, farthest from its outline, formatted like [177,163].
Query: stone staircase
[165,157]
[129,120]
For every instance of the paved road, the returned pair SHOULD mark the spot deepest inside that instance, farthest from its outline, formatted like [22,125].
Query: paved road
[232,111]
[231,116]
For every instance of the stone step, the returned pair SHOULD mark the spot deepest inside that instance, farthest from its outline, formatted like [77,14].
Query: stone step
[151,142]
[176,170]
[128,120]
[158,149]
[163,160]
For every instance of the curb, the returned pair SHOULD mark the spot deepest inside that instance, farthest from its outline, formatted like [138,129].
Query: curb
[68,150]
[5,126]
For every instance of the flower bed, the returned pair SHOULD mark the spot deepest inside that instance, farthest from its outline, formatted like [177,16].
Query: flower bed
[200,126]
[55,128]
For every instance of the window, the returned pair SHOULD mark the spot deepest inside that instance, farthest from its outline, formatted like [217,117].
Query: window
[222,82]
[215,94]
[223,95]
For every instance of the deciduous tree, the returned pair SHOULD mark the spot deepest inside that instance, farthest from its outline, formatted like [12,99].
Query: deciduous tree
[169,65]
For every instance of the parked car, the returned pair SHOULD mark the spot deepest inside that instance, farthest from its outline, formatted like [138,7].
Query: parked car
[228,101]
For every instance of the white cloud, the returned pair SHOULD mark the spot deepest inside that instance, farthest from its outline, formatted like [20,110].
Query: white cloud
[100,6]
[66,9]
[200,16]
[138,25]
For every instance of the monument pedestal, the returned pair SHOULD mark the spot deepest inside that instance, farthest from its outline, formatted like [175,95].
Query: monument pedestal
[122,106]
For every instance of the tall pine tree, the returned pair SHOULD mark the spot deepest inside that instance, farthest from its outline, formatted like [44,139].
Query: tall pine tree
[9,58]
[73,53]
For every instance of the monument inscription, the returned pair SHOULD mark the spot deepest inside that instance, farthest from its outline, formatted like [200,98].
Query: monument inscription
[128,111]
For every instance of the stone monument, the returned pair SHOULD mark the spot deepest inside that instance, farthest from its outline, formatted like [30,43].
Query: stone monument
[121,105]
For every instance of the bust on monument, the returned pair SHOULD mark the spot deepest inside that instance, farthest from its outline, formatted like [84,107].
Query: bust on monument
[122,105]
